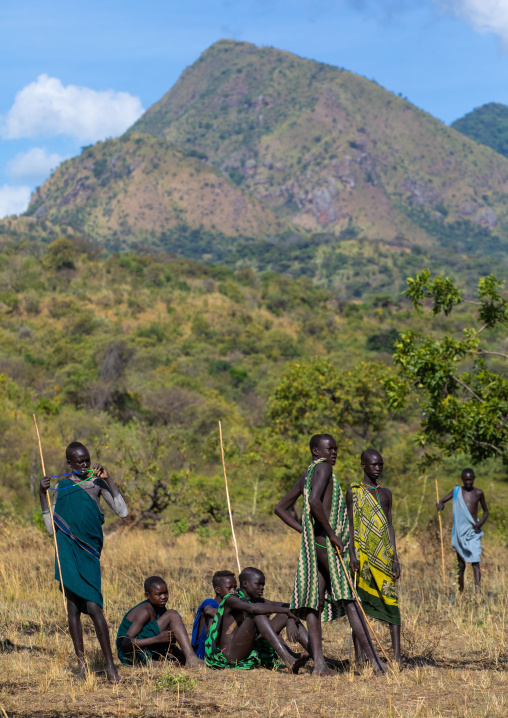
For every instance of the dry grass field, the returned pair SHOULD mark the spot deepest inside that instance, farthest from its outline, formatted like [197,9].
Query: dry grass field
[455,647]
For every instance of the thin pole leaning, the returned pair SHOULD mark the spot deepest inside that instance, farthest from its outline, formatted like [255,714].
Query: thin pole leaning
[359,603]
[227,496]
[441,535]
[51,515]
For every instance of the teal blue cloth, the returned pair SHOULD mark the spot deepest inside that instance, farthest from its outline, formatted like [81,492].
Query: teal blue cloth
[465,540]
[148,631]
[78,525]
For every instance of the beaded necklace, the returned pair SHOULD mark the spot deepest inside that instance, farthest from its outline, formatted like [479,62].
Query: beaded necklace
[374,489]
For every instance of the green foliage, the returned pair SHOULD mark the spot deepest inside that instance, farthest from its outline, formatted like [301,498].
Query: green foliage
[315,397]
[60,254]
[464,395]
[488,125]
[174,682]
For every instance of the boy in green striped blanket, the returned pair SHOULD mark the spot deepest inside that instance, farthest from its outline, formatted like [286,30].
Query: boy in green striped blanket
[321,590]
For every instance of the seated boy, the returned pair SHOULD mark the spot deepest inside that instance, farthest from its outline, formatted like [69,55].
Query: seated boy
[242,636]
[223,582]
[149,630]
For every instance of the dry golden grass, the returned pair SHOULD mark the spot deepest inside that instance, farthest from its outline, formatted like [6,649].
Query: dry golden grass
[455,646]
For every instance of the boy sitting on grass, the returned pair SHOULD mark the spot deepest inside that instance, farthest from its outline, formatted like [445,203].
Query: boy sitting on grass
[242,636]
[149,630]
[223,582]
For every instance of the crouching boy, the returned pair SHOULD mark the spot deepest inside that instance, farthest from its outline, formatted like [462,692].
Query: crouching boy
[150,631]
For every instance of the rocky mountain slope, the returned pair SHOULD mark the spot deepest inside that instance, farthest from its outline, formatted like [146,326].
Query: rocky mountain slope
[256,143]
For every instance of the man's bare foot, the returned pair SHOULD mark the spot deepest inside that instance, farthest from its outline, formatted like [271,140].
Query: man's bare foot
[380,668]
[80,675]
[194,662]
[112,675]
[323,670]
[300,661]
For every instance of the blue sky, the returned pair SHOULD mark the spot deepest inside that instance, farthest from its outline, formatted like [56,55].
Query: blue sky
[74,73]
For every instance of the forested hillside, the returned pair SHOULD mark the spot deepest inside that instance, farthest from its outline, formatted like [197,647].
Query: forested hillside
[258,157]
[141,355]
[487,125]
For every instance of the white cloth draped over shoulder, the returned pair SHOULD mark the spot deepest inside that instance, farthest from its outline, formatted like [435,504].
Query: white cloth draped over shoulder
[465,540]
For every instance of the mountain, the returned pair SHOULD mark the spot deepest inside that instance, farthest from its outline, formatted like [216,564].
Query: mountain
[487,125]
[260,157]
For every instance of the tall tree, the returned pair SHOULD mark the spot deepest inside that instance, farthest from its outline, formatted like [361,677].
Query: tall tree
[460,381]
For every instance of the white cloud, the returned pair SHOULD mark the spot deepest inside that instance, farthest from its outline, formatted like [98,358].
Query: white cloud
[482,15]
[13,200]
[33,166]
[48,108]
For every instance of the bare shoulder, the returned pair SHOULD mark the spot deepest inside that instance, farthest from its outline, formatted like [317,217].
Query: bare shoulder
[386,492]
[139,612]
[478,493]
[324,469]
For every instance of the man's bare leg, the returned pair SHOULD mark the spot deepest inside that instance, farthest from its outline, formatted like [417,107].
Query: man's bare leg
[172,621]
[477,575]
[243,640]
[76,631]
[313,620]
[360,630]
[102,632]
[395,635]
[462,569]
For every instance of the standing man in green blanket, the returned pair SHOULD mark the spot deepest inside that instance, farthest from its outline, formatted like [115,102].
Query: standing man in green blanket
[78,520]
[321,587]
[373,553]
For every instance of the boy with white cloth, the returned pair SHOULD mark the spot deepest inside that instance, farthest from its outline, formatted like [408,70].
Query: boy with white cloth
[466,532]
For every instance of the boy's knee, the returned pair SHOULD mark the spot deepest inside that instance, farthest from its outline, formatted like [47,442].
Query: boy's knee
[94,610]
[169,616]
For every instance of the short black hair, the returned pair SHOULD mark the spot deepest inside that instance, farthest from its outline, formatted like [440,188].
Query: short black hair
[152,581]
[221,574]
[317,439]
[72,448]
[248,573]
[369,452]
[467,471]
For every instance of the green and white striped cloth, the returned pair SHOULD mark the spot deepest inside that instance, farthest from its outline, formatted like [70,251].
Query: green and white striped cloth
[306,592]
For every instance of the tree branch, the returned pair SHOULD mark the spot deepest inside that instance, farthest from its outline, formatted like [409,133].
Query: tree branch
[499,354]
[468,389]
[491,446]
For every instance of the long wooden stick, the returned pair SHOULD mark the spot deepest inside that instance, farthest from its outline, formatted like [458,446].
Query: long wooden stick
[359,603]
[52,521]
[441,534]
[229,503]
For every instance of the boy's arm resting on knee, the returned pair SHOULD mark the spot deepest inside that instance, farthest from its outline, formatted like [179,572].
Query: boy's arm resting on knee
[320,479]
[282,510]
[264,608]
[139,622]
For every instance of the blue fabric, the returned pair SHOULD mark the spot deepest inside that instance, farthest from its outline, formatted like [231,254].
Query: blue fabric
[465,540]
[198,642]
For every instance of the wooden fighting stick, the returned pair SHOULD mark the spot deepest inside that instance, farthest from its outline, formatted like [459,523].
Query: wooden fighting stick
[441,534]
[359,603]
[229,503]
[51,514]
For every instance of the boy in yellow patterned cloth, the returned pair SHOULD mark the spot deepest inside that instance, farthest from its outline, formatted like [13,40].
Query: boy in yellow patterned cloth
[374,555]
